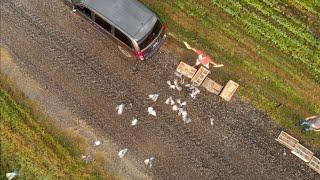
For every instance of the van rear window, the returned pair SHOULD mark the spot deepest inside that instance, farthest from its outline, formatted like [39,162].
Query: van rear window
[151,36]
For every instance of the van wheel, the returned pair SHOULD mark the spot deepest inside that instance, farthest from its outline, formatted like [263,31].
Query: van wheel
[124,52]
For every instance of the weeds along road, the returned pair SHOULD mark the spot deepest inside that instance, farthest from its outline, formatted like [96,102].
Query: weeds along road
[85,70]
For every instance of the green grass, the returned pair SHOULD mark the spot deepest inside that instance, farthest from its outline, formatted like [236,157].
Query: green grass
[33,147]
[271,48]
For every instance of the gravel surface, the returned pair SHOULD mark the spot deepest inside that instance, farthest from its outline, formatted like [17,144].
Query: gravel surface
[84,69]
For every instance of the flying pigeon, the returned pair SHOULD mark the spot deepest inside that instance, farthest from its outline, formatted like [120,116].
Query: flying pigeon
[120,108]
[122,152]
[151,111]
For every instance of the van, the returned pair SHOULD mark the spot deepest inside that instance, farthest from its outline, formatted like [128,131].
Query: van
[136,30]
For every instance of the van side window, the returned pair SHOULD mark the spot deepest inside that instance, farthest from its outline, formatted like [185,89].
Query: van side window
[85,11]
[122,37]
[102,23]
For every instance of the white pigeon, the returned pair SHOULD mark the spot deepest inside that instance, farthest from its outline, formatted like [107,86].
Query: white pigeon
[185,117]
[11,175]
[195,92]
[171,86]
[134,122]
[170,101]
[177,86]
[178,74]
[122,152]
[175,108]
[149,162]
[184,103]
[120,108]
[211,121]
[97,143]
[151,111]
[187,120]
[154,97]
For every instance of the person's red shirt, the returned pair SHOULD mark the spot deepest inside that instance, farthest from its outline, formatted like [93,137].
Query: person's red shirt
[206,59]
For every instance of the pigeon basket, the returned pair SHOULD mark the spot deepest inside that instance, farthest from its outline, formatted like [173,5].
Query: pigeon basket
[186,70]
[199,77]
[229,90]
[302,152]
[212,86]
[287,140]
[315,164]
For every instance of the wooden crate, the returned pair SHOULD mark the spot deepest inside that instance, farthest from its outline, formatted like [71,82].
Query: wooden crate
[302,152]
[186,70]
[212,86]
[287,140]
[315,164]
[229,90]
[199,77]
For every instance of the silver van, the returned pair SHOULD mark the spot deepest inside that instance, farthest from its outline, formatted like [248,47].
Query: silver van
[135,28]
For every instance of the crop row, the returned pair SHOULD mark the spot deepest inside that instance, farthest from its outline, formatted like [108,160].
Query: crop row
[297,28]
[264,31]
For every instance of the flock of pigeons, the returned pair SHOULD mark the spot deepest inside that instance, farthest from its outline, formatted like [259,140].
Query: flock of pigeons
[178,106]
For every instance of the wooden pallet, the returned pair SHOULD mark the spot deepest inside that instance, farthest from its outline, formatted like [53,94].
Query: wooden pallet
[212,86]
[287,140]
[302,152]
[199,77]
[229,90]
[315,164]
[186,70]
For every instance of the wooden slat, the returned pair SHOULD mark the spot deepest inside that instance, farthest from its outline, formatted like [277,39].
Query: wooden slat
[212,86]
[229,90]
[186,70]
[315,164]
[302,152]
[199,77]
[287,140]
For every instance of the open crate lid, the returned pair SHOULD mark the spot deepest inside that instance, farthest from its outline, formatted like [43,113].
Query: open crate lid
[287,140]
[302,152]
[186,70]
[199,77]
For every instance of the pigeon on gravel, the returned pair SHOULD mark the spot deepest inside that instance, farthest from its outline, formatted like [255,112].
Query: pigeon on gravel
[175,108]
[149,162]
[211,121]
[122,153]
[120,108]
[97,143]
[170,101]
[184,103]
[195,92]
[154,97]
[185,117]
[179,76]
[151,111]
[176,84]
[171,86]
[134,122]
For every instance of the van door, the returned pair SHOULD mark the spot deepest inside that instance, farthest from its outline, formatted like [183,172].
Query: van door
[125,43]
[102,23]
[84,11]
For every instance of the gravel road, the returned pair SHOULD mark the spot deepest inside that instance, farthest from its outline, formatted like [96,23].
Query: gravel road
[84,69]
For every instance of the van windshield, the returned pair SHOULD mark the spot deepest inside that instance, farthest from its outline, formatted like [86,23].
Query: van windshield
[151,36]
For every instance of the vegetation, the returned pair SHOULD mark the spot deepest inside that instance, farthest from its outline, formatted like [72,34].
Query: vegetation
[33,147]
[271,48]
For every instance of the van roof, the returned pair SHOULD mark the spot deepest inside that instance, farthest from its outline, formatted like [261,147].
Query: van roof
[131,16]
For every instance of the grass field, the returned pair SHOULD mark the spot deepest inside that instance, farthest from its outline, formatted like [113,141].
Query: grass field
[270,47]
[33,147]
